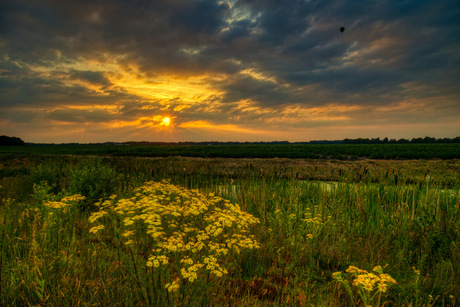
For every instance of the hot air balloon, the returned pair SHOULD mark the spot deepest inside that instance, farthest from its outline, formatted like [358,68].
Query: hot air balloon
[342,29]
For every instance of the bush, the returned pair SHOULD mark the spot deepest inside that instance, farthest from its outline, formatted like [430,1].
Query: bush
[94,181]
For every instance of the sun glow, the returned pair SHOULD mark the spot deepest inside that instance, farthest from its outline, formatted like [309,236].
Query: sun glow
[166,121]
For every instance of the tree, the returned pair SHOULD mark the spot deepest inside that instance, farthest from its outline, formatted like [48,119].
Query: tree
[10,141]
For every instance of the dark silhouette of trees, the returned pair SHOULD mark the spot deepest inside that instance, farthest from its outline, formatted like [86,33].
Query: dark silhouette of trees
[425,140]
[10,141]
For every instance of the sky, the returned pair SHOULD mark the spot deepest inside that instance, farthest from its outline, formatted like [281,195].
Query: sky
[239,70]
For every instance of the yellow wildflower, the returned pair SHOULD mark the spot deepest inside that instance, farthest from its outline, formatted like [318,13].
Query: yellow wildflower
[95,229]
[202,231]
[382,287]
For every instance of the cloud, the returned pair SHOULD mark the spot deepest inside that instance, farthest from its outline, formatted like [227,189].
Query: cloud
[80,116]
[238,63]
[93,77]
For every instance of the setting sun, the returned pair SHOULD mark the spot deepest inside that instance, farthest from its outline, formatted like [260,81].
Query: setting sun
[166,121]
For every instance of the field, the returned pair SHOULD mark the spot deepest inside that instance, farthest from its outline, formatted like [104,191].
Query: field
[306,151]
[122,225]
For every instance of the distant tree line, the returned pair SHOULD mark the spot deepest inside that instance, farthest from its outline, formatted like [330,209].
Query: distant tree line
[205,143]
[420,140]
[425,140]
[14,141]
[10,141]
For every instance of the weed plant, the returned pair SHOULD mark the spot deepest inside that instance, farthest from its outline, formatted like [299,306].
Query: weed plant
[187,241]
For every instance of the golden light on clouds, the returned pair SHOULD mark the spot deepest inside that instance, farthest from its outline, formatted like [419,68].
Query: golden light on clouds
[257,75]
[205,125]
[129,78]
[157,121]
[164,88]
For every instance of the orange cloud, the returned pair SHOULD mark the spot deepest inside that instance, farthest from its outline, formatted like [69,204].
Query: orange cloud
[164,88]
[201,124]
[157,121]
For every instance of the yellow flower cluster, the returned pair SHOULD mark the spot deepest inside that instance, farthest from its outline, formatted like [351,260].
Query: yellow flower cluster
[213,267]
[95,229]
[190,272]
[156,261]
[355,270]
[73,198]
[314,223]
[96,215]
[368,281]
[56,205]
[190,233]
[309,218]
[65,202]
[173,286]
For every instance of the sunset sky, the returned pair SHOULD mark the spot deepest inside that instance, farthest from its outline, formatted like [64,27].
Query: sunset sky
[239,70]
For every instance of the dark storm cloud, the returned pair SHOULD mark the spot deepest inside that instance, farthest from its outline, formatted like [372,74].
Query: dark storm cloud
[19,86]
[262,91]
[390,51]
[94,77]
[373,81]
[80,116]
[24,88]
[152,32]
[399,41]
[239,30]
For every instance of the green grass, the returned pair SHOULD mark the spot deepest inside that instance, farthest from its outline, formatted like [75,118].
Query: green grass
[316,217]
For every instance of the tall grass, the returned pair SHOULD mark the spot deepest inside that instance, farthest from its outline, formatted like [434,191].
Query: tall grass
[317,218]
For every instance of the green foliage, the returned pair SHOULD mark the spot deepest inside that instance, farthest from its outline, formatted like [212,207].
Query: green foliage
[94,180]
[42,192]
[52,172]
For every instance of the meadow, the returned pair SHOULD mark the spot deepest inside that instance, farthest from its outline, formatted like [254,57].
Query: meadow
[127,230]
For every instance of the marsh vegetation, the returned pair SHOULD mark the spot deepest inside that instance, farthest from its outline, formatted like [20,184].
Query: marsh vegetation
[89,230]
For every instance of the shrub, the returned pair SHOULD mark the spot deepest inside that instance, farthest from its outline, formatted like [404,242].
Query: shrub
[94,181]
